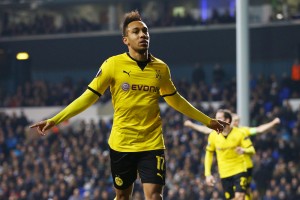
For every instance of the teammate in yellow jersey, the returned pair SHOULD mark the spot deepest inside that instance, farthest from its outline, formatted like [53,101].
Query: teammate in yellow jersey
[230,147]
[249,131]
[136,80]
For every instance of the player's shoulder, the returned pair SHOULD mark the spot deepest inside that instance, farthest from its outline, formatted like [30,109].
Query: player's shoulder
[241,133]
[157,61]
[244,128]
[115,59]
[118,57]
[213,134]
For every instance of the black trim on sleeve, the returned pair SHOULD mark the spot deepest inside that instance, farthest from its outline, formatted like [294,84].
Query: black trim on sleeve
[166,95]
[95,92]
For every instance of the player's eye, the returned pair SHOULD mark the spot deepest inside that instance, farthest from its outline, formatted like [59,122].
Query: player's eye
[145,31]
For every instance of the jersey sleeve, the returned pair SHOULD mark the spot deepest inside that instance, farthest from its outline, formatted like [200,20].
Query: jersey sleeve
[167,86]
[208,160]
[246,142]
[103,77]
[211,142]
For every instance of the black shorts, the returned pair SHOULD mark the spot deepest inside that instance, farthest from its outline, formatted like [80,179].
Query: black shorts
[150,165]
[235,183]
[249,176]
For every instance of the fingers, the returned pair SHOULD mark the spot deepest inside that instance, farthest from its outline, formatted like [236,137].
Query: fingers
[41,127]
[46,127]
[37,124]
[213,182]
[33,126]
[210,181]
[223,123]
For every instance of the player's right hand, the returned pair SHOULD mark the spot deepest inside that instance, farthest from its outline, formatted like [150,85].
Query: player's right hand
[43,126]
[210,180]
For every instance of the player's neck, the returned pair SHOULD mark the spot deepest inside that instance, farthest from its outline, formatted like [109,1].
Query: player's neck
[227,130]
[139,56]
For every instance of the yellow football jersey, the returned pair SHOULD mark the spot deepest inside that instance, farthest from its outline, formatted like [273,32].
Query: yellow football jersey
[248,158]
[135,88]
[229,161]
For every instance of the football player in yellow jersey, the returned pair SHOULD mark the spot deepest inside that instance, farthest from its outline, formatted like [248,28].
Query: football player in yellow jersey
[230,147]
[249,131]
[136,80]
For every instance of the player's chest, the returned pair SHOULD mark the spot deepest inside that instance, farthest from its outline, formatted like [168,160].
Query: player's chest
[226,143]
[135,75]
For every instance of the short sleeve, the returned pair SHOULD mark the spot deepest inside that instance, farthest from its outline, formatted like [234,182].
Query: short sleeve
[211,142]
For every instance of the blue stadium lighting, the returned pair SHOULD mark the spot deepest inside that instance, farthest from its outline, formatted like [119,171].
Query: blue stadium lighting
[204,10]
[232,8]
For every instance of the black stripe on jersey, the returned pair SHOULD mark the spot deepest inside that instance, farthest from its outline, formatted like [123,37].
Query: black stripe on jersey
[94,91]
[166,95]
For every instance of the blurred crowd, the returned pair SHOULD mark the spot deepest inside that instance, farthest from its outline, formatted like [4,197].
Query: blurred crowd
[44,23]
[44,93]
[37,19]
[72,161]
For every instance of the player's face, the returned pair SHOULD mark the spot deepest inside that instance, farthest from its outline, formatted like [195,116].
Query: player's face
[137,38]
[220,116]
[235,121]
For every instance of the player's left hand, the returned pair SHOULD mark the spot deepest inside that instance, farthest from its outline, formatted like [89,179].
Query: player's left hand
[240,150]
[217,125]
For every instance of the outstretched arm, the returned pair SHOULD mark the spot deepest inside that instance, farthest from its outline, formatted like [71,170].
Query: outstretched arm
[180,104]
[197,127]
[264,127]
[77,106]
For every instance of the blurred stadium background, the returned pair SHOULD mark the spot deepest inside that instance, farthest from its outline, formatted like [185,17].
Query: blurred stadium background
[51,49]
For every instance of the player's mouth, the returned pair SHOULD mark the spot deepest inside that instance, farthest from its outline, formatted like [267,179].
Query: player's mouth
[143,42]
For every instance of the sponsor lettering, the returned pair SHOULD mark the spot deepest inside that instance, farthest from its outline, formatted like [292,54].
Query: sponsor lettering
[146,88]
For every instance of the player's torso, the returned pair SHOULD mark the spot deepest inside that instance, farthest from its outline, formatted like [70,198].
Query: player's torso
[135,96]
[229,161]
[226,146]
[135,85]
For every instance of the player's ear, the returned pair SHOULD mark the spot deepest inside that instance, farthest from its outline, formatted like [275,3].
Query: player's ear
[228,121]
[125,40]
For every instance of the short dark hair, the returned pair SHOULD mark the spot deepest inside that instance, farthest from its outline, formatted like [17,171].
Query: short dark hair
[130,17]
[227,114]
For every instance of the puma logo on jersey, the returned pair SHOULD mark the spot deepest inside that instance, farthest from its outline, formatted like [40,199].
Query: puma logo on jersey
[128,73]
